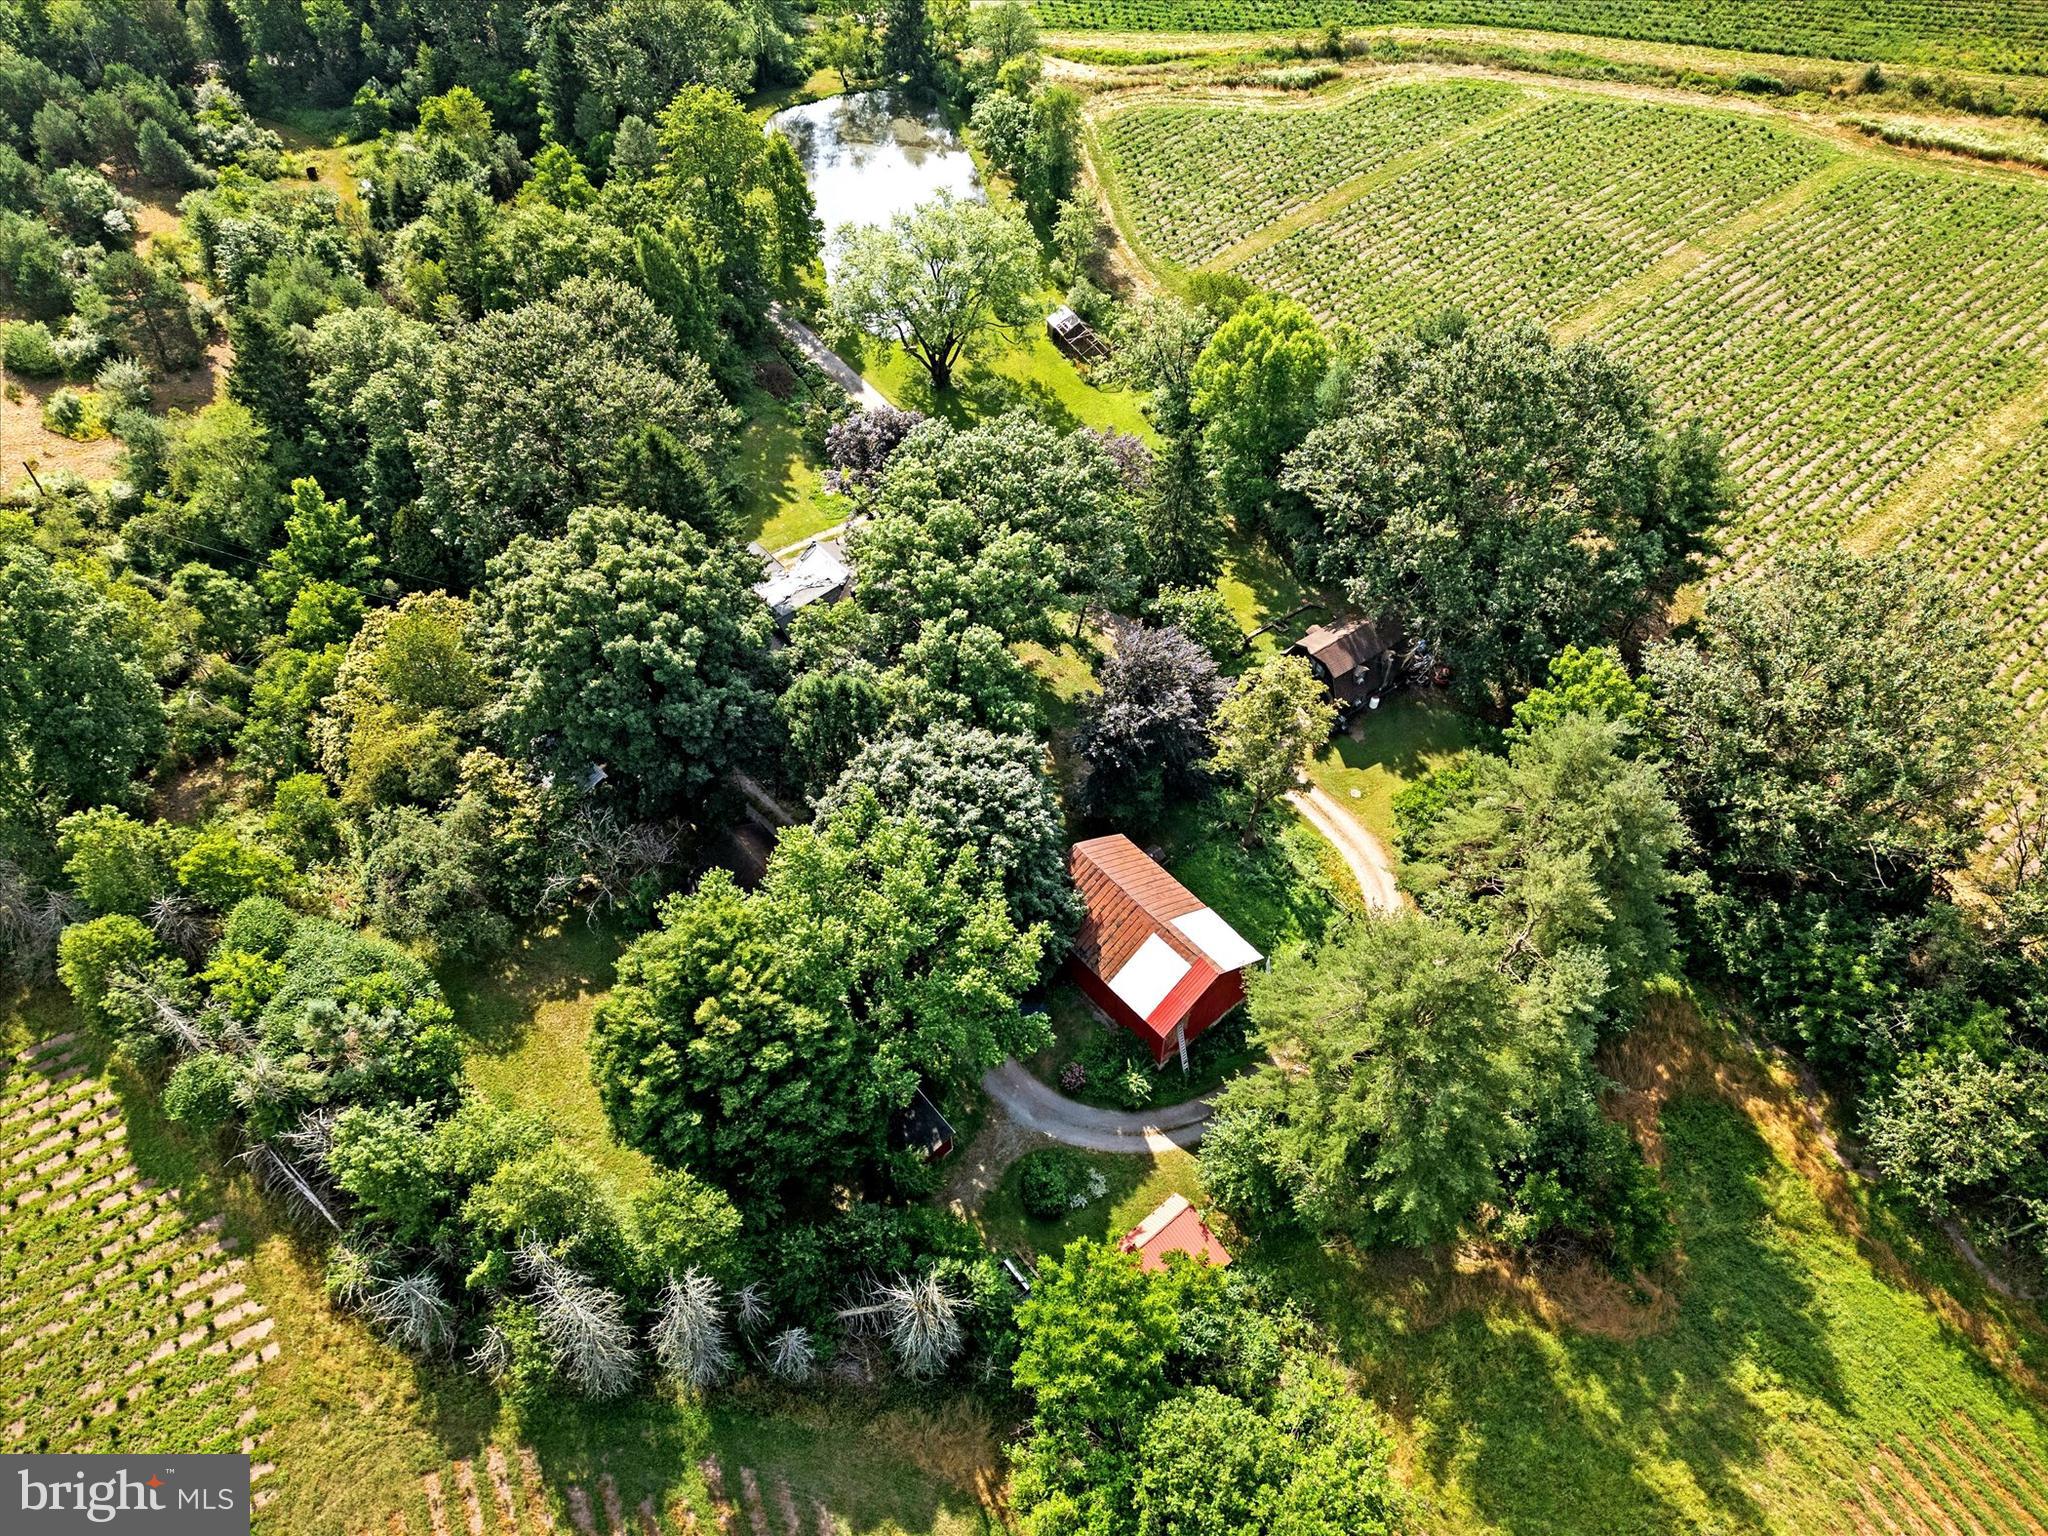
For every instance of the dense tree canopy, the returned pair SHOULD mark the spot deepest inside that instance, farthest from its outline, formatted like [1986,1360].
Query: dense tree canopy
[531,409]
[1806,754]
[1399,1094]
[78,712]
[977,790]
[631,644]
[1503,497]
[764,1041]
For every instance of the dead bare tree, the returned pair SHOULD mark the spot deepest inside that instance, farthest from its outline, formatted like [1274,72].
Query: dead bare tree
[918,1317]
[689,1335]
[584,1325]
[412,1310]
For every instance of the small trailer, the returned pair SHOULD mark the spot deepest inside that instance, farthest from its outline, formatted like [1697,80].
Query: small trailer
[1075,336]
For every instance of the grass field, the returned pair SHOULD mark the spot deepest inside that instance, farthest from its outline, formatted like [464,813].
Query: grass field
[1807,1340]
[1981,34]
[1869,330]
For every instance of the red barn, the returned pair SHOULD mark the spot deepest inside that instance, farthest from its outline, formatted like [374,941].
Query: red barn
[1149,954]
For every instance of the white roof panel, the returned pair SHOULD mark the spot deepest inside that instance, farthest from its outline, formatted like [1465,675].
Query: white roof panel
[1148,976]
[1223,944]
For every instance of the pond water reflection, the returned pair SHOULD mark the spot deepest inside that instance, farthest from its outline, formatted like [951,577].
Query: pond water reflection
[871,155]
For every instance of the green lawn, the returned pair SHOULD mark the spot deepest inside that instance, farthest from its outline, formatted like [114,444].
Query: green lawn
[1023,372]
[1795,1354]
[1286,889]
[527,1018]
[1261,589]
[1134,1186]
[785,500]
[1400,741]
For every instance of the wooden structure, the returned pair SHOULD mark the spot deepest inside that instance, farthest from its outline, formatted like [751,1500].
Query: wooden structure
[1149,954]
[1075,337]
[1351,661]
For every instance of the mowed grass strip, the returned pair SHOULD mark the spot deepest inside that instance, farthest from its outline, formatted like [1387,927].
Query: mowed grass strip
[1979,34]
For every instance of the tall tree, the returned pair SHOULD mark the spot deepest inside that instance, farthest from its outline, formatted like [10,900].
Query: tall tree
[936,279]
[1146,732]
[79,714]
[1830,723]
[976,790]
[1504,497]
[632,643]
[1254,391]
[764,1041]
[1267,729]
[1565,843]
[532,408]
[1399,1092]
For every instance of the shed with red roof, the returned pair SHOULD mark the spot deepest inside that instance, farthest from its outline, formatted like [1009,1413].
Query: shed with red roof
[1176,1227]
[1150,954]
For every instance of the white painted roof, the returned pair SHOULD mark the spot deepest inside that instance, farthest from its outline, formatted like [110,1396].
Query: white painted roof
[1223,944]
[1148,975]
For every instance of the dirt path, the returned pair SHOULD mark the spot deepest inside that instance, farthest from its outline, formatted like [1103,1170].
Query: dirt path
[1031,1106]
[841,372]
[1364,855]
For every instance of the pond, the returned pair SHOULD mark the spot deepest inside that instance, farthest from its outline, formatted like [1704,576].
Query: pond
[871,155]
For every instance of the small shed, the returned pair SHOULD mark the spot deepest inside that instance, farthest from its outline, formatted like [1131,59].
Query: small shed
[1350,660]
[1075,336]
[1175,1227]
[818,575]
[920,1126]
[1150,954]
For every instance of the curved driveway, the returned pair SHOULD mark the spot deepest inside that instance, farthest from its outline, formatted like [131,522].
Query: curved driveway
[1036,1107]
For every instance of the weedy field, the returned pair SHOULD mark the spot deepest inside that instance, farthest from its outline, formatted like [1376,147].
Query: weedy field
[1869,329]
[1978,34]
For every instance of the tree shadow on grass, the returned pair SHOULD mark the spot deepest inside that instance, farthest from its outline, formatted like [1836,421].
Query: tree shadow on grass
[495,1000]
[1555,1431]
[1404,736]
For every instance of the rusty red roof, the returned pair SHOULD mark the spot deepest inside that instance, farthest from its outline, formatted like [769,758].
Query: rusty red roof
[1175,1227]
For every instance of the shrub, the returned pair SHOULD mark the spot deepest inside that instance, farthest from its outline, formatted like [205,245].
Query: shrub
[222,867]
[91,955]
[76,416]
[305,818]
[123,384]
[114,862]
[201,1092]
[1055,1180]
[28,349]
[262,925]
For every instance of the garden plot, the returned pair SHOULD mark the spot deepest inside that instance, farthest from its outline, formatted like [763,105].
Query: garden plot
[1198,177]
[1539,218]
[1979,34]
[1844,346]
[124,1322]
[1959,1477]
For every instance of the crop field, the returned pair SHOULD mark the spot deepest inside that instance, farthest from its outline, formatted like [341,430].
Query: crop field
[1536,218]
[1990,533]
[1869,332]
[124,1322]
[1207,174]
[2009,35]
